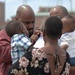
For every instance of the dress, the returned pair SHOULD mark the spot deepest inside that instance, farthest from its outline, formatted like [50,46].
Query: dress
[69,39]
[19,45]
[35,62]
[5,48]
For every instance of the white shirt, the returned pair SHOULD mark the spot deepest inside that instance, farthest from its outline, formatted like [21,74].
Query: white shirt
[39,43]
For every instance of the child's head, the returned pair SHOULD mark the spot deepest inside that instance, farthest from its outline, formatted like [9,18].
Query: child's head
[16,27]
[68,24]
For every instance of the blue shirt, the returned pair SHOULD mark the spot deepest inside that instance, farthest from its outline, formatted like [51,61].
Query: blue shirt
[19,45]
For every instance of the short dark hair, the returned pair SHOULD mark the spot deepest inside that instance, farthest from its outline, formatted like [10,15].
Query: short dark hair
[13,27]
[53,27]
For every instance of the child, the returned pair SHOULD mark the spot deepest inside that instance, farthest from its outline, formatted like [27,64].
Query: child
[19,39]
[67,40]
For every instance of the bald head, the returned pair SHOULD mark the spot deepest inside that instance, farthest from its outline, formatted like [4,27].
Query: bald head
[59,11]
[68,23]
[26,15]
[24,10]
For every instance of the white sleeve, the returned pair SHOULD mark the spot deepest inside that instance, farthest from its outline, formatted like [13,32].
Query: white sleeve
[62,41]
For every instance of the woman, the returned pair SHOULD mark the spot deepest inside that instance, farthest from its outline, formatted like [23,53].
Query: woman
[48,60]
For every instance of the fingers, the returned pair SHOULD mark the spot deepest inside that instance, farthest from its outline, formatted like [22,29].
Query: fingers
[37,32]
[35,36]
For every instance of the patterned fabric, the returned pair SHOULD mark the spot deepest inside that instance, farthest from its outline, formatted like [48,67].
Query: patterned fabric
[35,63]
[19,45]
[5,48]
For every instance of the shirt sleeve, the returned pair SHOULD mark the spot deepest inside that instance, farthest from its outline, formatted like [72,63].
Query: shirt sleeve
[5,56]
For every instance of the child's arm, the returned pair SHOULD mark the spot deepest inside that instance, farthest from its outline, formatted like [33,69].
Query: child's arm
[65,46]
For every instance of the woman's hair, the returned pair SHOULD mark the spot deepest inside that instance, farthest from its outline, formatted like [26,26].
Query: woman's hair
[53,27]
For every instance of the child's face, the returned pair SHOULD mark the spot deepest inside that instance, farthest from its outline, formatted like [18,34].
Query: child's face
[68,26]
[65,23]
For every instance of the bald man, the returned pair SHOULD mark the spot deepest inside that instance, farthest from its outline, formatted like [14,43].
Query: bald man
[26,15]
[59,10]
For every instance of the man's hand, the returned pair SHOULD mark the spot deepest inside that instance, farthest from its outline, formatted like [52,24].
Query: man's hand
[35,36]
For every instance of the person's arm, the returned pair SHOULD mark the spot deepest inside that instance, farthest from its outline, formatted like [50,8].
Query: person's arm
[63,42]
[65,46]
[5,56]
